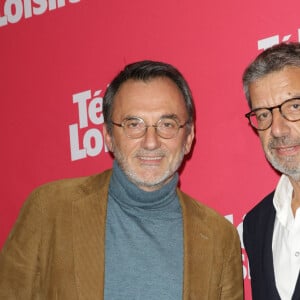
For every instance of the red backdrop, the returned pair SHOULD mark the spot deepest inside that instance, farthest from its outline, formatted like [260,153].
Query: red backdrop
[57,57]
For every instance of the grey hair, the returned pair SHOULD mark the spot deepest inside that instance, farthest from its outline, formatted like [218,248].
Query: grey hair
[271,60]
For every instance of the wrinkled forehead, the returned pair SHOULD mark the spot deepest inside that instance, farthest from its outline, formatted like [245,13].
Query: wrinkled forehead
[275,87]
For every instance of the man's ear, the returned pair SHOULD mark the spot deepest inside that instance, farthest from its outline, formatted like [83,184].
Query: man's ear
[189,140]
[107,138]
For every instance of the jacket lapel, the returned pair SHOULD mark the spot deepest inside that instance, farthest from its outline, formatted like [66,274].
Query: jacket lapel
[89,217]
[89,214]
[198,245]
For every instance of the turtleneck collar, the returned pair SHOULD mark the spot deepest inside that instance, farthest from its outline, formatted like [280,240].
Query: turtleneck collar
[127,194]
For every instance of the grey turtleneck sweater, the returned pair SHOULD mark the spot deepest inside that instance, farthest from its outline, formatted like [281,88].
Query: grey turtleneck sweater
[144,242]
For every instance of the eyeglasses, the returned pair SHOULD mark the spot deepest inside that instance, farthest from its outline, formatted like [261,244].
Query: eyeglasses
[135,127]
[262,118]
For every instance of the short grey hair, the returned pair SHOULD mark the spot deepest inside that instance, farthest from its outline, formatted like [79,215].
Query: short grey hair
[271,60]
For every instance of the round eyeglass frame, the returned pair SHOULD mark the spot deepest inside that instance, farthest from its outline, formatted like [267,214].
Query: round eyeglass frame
[145,127]
[253,113]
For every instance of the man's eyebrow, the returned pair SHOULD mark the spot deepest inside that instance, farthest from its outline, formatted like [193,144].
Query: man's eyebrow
[130,117]
[170,116]
[164,116]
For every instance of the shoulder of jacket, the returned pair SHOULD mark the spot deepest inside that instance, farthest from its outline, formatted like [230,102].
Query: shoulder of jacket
[62,192]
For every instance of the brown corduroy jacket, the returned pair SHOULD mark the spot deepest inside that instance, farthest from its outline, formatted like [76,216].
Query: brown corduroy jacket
[56,248]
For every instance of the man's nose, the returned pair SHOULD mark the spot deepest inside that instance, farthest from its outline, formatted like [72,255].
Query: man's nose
[151,140]
[280,126]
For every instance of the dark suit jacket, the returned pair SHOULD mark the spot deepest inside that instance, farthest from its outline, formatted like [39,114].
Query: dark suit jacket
[56,248]
[257,236]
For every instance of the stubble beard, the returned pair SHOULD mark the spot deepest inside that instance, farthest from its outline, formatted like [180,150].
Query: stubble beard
[148,183]
[287,165]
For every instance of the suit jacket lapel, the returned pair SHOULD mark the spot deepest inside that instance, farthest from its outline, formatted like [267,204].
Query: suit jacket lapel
[89,214]
[198,243]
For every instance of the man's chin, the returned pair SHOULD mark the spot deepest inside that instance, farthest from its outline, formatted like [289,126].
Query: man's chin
[150,183]
[288,169]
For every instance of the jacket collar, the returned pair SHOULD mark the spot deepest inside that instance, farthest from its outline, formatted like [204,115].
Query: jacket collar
[89,217]
[89,214]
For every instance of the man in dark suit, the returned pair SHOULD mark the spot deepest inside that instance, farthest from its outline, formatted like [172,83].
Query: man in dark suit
[272,228]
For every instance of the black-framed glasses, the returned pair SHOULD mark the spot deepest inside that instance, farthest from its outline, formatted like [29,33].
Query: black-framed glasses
[262,118]
[135,127]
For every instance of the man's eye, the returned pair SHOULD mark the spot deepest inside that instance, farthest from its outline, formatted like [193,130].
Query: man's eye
[262,116]
[292,106]
[168,124]
[295,106]
[134,124]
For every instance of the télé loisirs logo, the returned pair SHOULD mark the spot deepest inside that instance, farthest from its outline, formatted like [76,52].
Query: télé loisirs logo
[12,11]
[86,139]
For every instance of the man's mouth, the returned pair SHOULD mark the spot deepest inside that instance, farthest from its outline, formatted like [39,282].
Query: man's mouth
[150,157]
[287,150]
[150,160]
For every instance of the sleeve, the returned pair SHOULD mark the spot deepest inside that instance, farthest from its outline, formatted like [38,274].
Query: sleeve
[19,258]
